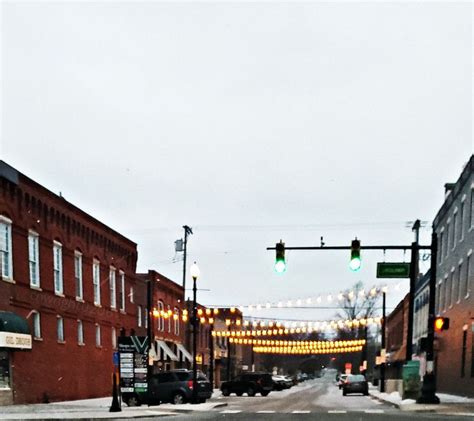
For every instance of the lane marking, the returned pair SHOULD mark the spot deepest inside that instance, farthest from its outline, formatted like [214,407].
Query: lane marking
[231,411]
[337,412]
[265,412]
[374,411]
[301,412]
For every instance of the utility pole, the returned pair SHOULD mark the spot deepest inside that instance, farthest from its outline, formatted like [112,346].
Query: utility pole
[187,231]
[382,351]
[428,389]
[413,277]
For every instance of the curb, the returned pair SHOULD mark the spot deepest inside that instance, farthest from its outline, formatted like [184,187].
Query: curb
[395,405]
[191,409]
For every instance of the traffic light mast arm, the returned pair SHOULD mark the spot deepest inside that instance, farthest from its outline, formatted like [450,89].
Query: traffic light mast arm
[419,247]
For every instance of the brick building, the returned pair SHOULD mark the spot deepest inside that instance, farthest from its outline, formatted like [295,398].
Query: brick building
[167,325]
[454,224]
[70,281]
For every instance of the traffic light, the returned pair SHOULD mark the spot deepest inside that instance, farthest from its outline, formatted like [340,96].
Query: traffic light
[441,323]
[355,262]
[280,264]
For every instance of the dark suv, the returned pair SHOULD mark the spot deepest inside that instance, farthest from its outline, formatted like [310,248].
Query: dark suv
[250,383]
[175,386]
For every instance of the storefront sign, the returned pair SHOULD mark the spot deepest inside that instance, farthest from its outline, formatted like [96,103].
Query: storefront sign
[15,340]
[133,359]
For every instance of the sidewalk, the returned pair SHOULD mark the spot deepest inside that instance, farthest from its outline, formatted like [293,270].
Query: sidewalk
[449,404]
[87,409]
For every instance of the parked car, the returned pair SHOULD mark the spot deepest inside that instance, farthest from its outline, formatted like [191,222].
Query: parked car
[341,380]
[250,383]
[355,383]
[281,382]
[175,386]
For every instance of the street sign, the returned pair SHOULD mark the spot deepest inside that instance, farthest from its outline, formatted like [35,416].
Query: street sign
[393,270]
[133,361]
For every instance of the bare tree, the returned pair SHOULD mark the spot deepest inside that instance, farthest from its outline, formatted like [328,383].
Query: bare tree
[358,303]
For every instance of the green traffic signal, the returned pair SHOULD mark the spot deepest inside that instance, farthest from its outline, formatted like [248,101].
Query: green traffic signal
[355,262]
[280,264]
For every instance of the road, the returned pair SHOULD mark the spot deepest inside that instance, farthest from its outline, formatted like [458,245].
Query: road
[318,398]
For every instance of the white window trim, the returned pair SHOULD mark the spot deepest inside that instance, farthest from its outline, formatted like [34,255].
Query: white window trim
[139,315]
[451,277]
[37,316]
[35,235]
[98,336]
[455,222]
[80,341]
[132,298]
[78,254]
[8,221]
[96,286]
[62,340]
[161,319]
[113,287]
[58,245]
[176,322]
[122,289]
[469,253]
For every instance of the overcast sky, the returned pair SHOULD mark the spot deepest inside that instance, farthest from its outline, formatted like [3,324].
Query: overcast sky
[250,122]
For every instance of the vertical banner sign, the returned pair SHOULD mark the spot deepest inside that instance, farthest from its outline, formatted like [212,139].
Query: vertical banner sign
[133,360]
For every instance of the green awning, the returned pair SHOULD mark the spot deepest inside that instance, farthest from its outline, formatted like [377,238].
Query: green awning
[12,322]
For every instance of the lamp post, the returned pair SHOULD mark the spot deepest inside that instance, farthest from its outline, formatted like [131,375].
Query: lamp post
[194,274]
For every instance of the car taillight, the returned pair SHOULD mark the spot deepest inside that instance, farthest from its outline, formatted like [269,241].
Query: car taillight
[190,384]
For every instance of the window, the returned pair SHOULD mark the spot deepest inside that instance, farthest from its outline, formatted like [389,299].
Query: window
[176,320]
[80,332]
[114,338]
[169,319]
[78,274]
[472,349]
[122,290]
[459,282]
[113,292]
[146,318]
[33,253]
[58,267]
[97,336]
[131,295]
[438,298]
[60,329]
[446,292]
[453,287]
[96,281]
[461,221]
[441,244]
[453,231]
[446,248]
[36,325]
[471,210]
[465,288]
[161,320]
[139,316]
[6,248]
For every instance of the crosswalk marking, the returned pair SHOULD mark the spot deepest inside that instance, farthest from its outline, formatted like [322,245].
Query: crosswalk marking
[265,412]
[336,411]
[374,411]
[301,412]
[231,411]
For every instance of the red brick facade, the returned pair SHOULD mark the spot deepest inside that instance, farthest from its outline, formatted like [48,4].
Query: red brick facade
[67,369]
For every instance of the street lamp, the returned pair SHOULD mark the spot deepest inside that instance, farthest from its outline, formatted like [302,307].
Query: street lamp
[194,274]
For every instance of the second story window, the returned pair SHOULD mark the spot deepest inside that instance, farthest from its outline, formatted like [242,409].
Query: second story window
[78,275]
[139,316]
[96,281]
[113,291]
[6,263]
[36,325]
[60,329]
[161,319]
[33,255]
[176,321]
[80,332]
[98,339]
[122,290]
[58,267]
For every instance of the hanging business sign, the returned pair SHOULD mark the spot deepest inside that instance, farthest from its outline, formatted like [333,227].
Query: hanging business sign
[15,340]
[133,363]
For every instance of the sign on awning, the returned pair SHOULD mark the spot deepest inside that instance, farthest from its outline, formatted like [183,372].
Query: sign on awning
[15,340]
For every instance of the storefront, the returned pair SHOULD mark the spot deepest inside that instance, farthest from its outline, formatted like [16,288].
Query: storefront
[14,337]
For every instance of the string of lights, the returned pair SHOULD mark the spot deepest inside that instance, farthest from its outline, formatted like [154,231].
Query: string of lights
[305,351]
[319,299]
[300,344]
